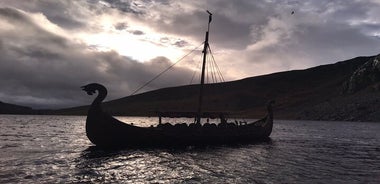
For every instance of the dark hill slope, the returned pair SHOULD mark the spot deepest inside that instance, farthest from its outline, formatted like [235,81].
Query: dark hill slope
[299,94]
[6,108]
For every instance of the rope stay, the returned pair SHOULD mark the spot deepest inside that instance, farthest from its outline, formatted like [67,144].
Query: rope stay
[216,66]
[171,66]
[212,69]
[196,71]
[213,73]
[209,71]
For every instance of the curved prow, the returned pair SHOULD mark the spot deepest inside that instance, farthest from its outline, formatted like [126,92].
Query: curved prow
[270,109]
[268,124]
[91,89]
[96,130]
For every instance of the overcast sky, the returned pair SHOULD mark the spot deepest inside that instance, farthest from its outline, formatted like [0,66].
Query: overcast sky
[50,48]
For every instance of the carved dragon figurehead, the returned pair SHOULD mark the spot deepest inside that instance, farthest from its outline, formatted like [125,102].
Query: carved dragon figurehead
[270,103]
[92,88]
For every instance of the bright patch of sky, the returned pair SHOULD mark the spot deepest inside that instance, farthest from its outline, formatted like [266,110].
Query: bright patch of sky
[65,44]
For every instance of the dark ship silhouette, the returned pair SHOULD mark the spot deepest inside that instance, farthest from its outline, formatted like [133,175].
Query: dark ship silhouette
[103,130]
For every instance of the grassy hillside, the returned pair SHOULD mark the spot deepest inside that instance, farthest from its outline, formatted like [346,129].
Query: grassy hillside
[315,93]
[6,108]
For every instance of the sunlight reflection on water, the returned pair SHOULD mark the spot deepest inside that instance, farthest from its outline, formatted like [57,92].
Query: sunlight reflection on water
[51,149]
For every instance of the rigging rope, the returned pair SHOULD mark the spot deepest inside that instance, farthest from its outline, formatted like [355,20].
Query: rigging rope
[211,63]
[211,66]
[207,68]
[213,73]
[195,71]
[171,66]
[217,67]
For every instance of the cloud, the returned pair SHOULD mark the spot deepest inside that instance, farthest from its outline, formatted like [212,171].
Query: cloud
[42,69]
[46,56]
[121,26]
[123,6]
[66,14]
[137,32]
[266,37]
[320,32]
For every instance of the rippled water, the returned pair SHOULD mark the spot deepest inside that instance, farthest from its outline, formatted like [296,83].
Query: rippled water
[51,149]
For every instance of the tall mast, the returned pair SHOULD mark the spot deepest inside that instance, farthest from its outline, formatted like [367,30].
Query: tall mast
[203,70]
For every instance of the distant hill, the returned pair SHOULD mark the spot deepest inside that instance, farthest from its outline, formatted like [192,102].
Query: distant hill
[6,108]
[347,90]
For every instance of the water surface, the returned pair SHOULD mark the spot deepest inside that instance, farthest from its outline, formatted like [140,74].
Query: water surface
[50,149]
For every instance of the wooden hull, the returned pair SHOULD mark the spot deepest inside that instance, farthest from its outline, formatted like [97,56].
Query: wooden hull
[105,131]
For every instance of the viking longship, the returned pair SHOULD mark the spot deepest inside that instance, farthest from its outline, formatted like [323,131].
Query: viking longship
[103,130]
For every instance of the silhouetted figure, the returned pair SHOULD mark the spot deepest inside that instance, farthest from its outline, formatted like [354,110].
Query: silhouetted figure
[209,125]
[231,125]
[195,125]
[223,120]
[180,125]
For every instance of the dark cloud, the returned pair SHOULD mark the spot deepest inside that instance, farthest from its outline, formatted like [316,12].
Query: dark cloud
[46,70]
[121,26]
[309,44]
[66,14]
[137,32]
[40,66]
[124,6]
[231,25]
[181,43]
[175,42]
[338,33]
[194,24]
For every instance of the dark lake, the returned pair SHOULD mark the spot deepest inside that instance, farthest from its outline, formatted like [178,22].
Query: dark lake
[55,149]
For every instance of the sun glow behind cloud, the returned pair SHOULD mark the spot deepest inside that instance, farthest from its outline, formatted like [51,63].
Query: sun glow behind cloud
[126,43]
[133,40]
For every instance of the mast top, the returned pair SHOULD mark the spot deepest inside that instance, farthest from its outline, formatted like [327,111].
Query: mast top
[209,19]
